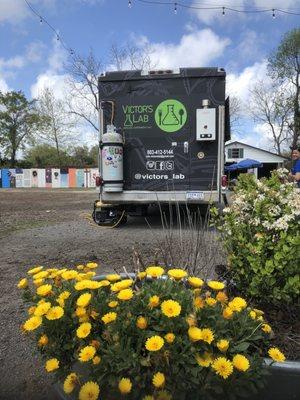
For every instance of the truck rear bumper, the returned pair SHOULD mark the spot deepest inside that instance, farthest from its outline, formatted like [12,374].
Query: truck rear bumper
[148,197]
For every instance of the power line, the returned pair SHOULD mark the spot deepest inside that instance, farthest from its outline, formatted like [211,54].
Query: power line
[222,8]
[57,35]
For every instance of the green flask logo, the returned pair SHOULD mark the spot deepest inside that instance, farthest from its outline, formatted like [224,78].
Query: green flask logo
[170,115]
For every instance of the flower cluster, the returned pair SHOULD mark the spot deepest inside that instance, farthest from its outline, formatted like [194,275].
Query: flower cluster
[260,232]
[156,338]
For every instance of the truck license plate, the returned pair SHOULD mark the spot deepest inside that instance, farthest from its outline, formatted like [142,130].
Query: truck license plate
[194,195]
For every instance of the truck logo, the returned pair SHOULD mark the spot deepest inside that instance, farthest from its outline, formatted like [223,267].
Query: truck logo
[160,165]
[170,115]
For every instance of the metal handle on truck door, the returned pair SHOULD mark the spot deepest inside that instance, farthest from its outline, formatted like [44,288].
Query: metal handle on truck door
[186,147]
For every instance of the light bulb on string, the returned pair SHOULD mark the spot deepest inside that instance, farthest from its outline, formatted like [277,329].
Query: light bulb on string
[129,3]
[41,20]
[175,8]
[57,38]
[273,15]
[223,12]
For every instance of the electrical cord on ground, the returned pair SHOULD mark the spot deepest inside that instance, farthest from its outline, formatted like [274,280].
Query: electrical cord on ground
[95,225]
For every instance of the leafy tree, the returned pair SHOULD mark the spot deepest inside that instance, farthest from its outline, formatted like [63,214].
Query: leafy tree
[45,155]
[82,157]
[59,130]
[19,120]
[284,67]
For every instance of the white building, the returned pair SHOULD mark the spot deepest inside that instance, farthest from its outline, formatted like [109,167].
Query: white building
[237,151]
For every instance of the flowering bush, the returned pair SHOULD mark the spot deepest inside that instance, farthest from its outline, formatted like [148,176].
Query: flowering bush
[160,336]
[260,232]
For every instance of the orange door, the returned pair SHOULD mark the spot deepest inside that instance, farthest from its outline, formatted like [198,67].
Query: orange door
[72,177]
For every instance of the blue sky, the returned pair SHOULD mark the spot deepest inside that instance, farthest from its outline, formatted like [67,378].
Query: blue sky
[31,57]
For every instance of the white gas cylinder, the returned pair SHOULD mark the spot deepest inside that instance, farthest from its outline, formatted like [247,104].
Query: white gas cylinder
[112,160]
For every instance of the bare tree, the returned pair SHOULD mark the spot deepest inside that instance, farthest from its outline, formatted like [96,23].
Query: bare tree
[272,106]
[59,129]
[84,72]
[235,110]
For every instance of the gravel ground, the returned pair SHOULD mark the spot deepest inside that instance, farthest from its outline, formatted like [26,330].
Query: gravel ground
[47,227]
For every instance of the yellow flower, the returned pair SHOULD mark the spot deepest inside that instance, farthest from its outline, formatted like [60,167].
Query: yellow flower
[198,302]
[158,379]
[23,283]
[41,275]
[91,265]
[38,282]
[227,313]
[154,343]
[142,275]
[113,277]
[207,335]
[109,317]
[252,314]
[170,308]
[170,337]
[83,284]
[222,297]
[80,267]
[154,271]
[43,340]
[64,295]
[44,290]
[80,311]
[153,301]
[70,382]
[84,300]
[195,282]
[195,333]
[223,345]
[113,304]
[52,364]
[42,309]
[96,360]
[89,391]
[237,304]
[141,323]
[84,330]
[125,385]
[210,301]
[222,367]
[215,285]
[124,284]
[32,323]
[34,270]
[240,362]
[258,312]
[125,294]
[177,273]
[55,313]
[31,310]
[276,354]
[87,353]
[266,328]
[69,275]
[205,360]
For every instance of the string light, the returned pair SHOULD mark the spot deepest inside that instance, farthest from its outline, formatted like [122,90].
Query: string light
[41,20]
[175,8]
[201,6]
[129,3]
[273,15]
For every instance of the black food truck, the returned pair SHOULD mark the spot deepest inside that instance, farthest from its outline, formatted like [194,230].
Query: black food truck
[162,136]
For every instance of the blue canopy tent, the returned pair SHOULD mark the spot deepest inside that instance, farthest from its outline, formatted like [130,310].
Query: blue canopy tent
[244,164]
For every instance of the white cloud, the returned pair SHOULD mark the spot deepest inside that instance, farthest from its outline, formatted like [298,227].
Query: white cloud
[259,136]
[34,51]
[14,62]
[195,49]
[4,86]
[13,11]
[239,84]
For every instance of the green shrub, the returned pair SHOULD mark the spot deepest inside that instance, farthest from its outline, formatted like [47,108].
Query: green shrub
[260,232]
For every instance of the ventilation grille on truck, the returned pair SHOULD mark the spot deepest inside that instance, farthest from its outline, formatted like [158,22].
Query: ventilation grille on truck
[161,72]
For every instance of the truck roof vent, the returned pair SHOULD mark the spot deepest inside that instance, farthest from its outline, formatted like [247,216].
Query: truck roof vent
[161,72]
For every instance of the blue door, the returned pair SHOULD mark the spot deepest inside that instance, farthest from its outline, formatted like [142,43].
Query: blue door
[5,178]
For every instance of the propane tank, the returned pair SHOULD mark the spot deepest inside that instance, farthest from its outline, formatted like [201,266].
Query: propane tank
[112,160]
